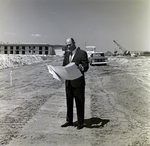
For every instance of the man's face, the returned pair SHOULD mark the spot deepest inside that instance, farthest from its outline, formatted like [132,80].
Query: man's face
[70,45]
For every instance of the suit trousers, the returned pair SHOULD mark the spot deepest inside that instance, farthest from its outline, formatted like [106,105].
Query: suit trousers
[77,93]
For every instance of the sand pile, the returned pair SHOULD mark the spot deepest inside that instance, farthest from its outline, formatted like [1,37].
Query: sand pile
[16,60]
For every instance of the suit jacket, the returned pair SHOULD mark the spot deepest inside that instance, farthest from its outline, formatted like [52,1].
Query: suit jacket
[80,57]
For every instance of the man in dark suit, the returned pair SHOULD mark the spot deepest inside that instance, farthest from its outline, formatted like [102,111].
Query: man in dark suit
[75,88]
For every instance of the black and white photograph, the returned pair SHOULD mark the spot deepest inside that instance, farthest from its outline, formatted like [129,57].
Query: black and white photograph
[74,72]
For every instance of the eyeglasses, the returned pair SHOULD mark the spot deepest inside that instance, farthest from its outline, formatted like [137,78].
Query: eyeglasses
[69,45]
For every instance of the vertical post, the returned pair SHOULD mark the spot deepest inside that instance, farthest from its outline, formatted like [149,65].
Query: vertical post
[11,78]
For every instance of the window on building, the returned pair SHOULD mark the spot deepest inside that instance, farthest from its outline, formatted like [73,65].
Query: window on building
[46,50]
[11,49]
[40,50]
[5,50]
[17,49]
[23,49]
[33,50]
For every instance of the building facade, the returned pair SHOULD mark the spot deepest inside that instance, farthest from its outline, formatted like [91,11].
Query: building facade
[30,49]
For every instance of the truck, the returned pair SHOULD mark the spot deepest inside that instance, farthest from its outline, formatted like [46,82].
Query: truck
[90,50]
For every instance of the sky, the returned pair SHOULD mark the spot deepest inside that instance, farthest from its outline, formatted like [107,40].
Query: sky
[89,22]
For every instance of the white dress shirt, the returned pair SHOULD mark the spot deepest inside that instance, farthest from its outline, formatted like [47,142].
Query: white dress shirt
[73,53]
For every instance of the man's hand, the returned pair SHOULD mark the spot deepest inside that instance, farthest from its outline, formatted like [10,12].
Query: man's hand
[80,66]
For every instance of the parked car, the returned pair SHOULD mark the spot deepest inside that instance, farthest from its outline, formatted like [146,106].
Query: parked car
[98,58]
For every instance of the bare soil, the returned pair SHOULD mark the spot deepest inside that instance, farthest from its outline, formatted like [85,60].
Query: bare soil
[33,107]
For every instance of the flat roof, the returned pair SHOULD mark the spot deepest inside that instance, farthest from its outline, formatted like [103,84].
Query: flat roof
[56,45]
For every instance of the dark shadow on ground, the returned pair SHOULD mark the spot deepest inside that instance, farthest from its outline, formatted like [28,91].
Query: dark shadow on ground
[94,122]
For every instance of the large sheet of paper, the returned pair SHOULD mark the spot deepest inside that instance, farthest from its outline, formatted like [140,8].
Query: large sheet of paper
[68,72]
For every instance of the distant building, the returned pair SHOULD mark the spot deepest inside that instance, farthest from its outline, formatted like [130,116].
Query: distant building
[90,50]
[31,49]
[146,53]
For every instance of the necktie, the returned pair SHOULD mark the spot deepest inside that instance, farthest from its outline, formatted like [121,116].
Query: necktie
[70,56]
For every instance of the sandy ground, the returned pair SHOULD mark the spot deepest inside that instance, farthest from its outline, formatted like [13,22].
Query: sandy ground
[32,106]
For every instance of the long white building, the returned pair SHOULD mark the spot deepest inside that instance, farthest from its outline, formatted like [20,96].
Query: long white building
[31,49]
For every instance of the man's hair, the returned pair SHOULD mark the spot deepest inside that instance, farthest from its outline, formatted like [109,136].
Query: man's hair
[72,40]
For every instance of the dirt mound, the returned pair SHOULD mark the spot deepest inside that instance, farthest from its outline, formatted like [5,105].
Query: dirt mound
[16,60]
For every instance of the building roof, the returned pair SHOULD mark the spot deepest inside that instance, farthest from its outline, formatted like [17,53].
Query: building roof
[20,44]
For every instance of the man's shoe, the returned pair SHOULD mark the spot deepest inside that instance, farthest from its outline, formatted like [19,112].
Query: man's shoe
[67,124]
[80,126]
